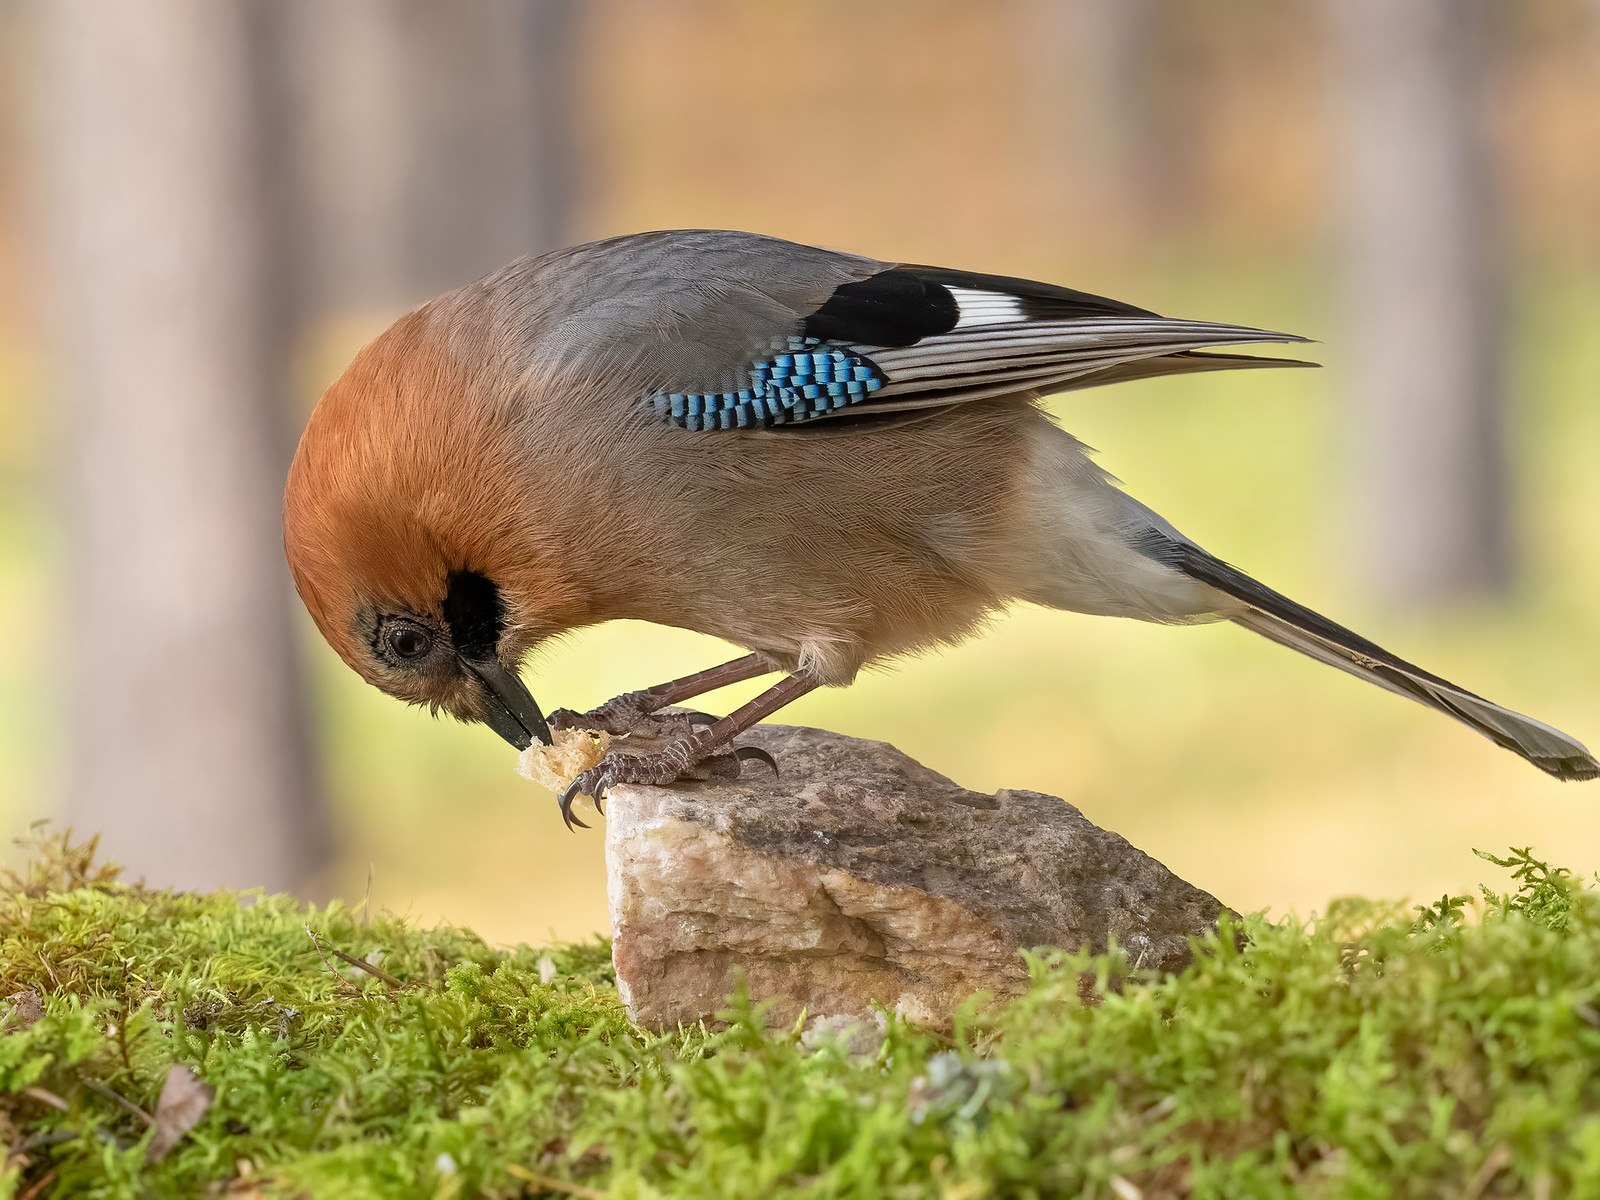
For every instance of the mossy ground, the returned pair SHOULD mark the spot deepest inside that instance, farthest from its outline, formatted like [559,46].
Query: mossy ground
[1377,1051]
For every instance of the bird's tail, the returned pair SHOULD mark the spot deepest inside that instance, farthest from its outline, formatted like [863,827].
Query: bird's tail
[1289,624]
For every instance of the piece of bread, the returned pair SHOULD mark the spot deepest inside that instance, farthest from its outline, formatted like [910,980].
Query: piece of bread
[555,766]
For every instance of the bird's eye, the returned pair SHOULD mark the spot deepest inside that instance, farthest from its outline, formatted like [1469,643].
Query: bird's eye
[408,639]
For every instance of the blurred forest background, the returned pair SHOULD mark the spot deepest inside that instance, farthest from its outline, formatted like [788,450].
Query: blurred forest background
[206,206]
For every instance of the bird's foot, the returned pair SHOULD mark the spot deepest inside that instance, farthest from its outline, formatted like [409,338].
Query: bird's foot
[637,713]
[694,757]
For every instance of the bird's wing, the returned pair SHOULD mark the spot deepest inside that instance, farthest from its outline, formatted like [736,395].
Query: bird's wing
[753,332]
[975,336]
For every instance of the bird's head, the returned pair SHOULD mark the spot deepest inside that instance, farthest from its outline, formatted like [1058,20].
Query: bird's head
[410,535]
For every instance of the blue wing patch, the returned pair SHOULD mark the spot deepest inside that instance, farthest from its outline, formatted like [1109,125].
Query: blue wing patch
[803,380]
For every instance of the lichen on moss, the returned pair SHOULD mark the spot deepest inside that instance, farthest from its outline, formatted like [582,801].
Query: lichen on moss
[1376,1051]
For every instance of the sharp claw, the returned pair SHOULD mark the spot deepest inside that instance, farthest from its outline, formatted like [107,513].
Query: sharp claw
[567,797]
[685,759]
[744,754]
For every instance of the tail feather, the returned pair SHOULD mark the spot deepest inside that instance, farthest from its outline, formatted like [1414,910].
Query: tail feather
[1280,619]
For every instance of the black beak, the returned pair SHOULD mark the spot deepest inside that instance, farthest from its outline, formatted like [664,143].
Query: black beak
[512,714]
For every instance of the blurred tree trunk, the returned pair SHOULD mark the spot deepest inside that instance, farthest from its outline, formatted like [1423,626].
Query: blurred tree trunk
[439,141]
[1425,297]
[1094,68]
[165,245]
[349,103]
[494,172]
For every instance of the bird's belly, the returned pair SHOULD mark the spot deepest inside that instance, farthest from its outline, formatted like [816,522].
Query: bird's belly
[835,619]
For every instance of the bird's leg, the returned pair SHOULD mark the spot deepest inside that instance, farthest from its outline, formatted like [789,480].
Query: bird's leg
[639,712]
[704,748]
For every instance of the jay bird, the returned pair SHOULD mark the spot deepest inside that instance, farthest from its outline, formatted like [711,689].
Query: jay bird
[825,459]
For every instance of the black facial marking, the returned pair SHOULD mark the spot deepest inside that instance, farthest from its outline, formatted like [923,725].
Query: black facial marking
[475,613]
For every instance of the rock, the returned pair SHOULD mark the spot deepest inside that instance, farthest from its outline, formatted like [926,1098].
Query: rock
[859,875]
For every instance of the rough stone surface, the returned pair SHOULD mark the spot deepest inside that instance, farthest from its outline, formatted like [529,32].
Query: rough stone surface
[858,876]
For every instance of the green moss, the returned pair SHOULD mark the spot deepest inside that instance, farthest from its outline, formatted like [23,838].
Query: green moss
[1373,1052]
